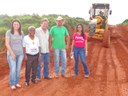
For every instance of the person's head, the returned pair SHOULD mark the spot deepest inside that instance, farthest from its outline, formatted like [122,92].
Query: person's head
[44,23]
[16,26]
[59,21]
[101,13]
[31,30]
[80,28]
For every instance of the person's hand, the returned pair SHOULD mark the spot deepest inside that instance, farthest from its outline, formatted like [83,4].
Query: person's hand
[39,57]
[13,56]
[71,55]
[86,53]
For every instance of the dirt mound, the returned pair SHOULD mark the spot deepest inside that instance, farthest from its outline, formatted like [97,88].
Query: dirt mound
[108,73]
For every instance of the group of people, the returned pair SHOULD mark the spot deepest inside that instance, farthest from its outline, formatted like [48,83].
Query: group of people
[35,49]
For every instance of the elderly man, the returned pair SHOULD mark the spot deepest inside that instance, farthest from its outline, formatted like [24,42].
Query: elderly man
[57,39]
[31,48]
[43,34]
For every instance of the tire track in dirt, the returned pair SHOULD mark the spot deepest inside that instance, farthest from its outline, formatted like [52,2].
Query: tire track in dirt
[82,87]
[100,73]
[110,67]
[96,85]
[121,44]
[55,85]
[111,88]
[122,56]
[123,89]
[94,58]
[121,75]
[120,72]
[100,63]
[108,75]
[78,84]
[60,87]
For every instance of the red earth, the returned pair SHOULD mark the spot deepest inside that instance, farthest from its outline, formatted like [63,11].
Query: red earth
[108,72]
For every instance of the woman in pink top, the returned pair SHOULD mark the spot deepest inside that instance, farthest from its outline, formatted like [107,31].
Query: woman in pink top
[79,48]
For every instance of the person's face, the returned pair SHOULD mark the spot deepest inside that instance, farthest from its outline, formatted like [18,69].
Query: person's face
[59,22]
[44,25]
[79,28]
[31,32]
[16,25]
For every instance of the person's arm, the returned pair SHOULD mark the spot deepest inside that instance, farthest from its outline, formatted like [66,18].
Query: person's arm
[72,46]
[50,38]
[25,55]
[67,41]
[39,57]
[39,50]
[7,44]
[24,49]
[67,37]
[86,46]
[50,42]
[71,52]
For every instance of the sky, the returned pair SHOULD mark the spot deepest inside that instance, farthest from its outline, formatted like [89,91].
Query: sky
[72,8]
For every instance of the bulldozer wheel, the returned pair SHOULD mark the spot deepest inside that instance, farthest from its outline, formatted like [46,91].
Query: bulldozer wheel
[106,39]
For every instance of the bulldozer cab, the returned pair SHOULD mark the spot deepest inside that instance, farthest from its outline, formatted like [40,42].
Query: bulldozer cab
[100,12]
[99,9]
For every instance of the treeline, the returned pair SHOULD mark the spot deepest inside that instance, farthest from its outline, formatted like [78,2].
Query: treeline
[125,22]
[28,20]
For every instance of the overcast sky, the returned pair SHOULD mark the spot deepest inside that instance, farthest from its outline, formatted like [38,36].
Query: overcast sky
[73,8]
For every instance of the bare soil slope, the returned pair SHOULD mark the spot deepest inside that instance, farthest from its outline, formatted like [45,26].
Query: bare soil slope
[108,73]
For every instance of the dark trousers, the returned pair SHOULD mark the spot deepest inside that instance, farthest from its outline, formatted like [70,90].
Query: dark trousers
[31,66]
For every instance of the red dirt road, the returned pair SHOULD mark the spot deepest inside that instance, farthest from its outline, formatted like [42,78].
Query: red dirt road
[108,73]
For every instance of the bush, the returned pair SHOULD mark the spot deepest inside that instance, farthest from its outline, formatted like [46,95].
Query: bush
[35,19]
[3,31]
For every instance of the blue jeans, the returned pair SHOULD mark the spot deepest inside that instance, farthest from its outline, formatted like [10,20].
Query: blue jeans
[46,58]
[15,67]
[57,54]
[80,52]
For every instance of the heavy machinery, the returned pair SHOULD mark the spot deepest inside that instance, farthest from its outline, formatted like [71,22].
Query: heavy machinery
[98,25]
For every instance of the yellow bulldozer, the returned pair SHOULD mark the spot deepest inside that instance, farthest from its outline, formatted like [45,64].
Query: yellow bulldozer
[98,24]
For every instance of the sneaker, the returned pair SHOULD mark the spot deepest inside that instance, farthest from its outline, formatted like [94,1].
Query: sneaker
[63,75]
[48,78]
[86,76]
[75,75]
[13,87]
[56,76]
[38,79]
[18,85]
[33,81]
[26,83]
